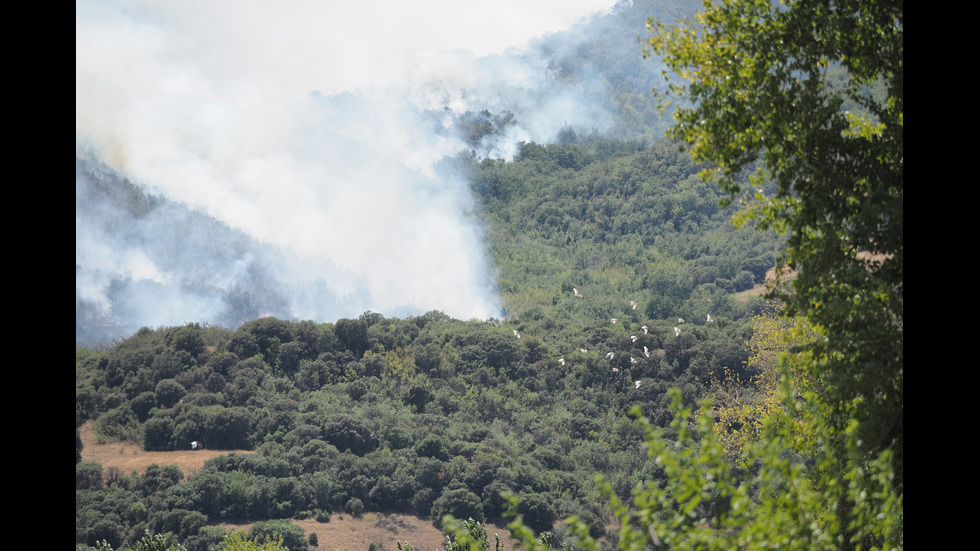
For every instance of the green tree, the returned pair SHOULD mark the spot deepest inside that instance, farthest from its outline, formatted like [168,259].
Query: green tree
[290,354]
[469,535]
[188,338]
[349,433]
[158,434]
[281,532]
[706,503]
[169,392]
[157,542]
[158,478]
[809,95]
[458,503]
[88,475]
[537,512]
[353,334]
[743,408]
[237,540]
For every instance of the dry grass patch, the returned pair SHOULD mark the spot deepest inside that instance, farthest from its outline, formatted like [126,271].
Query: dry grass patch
[130,458]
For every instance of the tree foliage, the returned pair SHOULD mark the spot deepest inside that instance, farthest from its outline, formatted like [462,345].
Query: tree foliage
[743,408]
[278,533]
[705,502]
[237,540]
[469,535]
[149,542]
[810,95]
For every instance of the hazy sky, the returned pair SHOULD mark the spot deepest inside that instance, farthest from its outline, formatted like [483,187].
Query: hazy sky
[210,103]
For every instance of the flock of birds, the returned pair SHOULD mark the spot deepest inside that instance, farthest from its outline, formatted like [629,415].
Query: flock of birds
[609,355]
[633,338]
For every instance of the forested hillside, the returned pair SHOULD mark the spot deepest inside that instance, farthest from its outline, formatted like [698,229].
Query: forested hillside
[431,415]
[689,329]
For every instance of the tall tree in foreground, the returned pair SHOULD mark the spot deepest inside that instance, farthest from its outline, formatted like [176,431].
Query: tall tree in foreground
[798,108]
[808,96]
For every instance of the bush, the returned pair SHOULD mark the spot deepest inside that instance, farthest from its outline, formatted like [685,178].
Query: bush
[349,433]
[88,476]
[460,503]
[538,513]
[270,531]
[169,392]
[118,423]
[157,542]
[355,507]
[158,434]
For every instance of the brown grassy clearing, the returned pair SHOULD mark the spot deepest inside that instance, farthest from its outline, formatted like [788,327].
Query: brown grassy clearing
[761,289]
[130,458]
[786,275]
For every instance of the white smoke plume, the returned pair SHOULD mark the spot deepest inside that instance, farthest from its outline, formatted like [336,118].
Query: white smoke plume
[313,129]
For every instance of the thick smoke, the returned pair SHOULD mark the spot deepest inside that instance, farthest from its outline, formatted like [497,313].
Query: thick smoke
[283,159]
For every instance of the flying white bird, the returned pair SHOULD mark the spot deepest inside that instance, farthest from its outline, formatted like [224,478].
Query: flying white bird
[680,320]
[609,356]
[637,384]
[615,370]
[194,445]
[646,352]
[633,338]
[644,328]
[633,304]
[677,332]
[561,361]
[516,334]
[633,360]
[614,320]
[575,292]
[709,319]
